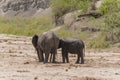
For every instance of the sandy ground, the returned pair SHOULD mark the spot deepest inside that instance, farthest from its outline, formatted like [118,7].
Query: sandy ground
[18,61]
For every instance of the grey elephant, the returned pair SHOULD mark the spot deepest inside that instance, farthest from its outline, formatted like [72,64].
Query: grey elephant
[46,43]
[74,46]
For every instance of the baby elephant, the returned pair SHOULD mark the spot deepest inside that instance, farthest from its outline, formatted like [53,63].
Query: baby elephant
[74,46]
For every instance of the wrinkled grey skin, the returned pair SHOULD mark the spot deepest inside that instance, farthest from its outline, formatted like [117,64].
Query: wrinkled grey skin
[74,46]
[46,43]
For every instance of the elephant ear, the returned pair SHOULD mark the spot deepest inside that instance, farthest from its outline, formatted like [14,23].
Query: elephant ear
[62,40]
[35,40]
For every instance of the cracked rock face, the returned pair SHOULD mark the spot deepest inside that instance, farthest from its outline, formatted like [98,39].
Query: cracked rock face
[22,7]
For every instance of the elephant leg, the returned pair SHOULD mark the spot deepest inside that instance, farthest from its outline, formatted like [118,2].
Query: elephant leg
[54,56]
[46,57]
[63,58]
[63,55]
[78,58]
[82,60]
[51,57]
[40,55]
[47,52]
[66,56]
[82,57]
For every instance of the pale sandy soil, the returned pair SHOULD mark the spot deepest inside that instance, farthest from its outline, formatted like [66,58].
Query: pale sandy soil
[18,61]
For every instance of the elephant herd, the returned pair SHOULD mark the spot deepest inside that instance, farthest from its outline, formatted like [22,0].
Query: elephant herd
[47,44]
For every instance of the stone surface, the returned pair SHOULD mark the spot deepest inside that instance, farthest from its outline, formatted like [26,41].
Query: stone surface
[22,8]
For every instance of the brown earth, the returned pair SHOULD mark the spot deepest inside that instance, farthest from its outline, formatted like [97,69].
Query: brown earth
[18,61]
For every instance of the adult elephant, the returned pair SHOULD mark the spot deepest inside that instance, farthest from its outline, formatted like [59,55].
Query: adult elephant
[74,46]
[46,43]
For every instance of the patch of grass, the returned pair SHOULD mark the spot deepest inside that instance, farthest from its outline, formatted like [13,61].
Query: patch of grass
[25,26]
[112,23]
[109,25]
[61,7]
[98,39]
[110,6]
[65,33]
[99,42]
[113,20]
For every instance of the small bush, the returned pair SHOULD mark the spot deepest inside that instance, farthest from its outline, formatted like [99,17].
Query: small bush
[112,23]
[113,20]
[84,6]
[110,6]
[99,42]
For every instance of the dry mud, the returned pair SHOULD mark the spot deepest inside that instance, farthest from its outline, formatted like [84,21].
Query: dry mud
[18,61]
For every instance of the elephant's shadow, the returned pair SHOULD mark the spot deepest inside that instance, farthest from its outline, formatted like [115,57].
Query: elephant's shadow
[56,62]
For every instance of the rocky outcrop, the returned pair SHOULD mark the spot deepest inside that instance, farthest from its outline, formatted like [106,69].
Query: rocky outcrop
[76,21]
[91,29]
[22,7]
[95,4]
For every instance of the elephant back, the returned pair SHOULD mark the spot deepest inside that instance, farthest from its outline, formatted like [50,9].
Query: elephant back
[52,39]
[48,40]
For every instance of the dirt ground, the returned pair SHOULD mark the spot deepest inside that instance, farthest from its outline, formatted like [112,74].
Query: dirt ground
[18,61]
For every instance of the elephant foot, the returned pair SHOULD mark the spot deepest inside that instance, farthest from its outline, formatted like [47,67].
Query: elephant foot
[40,60]
[77,62]
[54,61]
[67,61]
[63,62]
[82,62]
[45,62]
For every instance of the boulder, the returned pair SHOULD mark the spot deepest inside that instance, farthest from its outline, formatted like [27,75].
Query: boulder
[70,18]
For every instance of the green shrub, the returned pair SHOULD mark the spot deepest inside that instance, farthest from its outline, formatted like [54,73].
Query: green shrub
[112,23]
[110,6]
[64,32]
[25,26]
[110,29]
[99,42]
[84,6]
[61,7]
[113,20]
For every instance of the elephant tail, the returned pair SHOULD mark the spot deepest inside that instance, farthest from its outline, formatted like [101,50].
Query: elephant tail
[84,52]
[35,40]
[84,49]
[83,46]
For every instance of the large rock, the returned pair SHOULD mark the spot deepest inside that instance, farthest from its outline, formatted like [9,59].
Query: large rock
[23,8]
[70,18]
